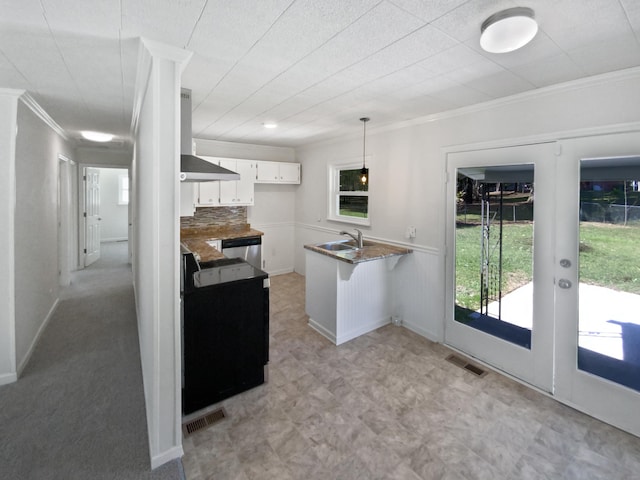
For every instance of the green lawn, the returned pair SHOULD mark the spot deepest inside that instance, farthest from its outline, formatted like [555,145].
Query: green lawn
[353,213]
[609,257]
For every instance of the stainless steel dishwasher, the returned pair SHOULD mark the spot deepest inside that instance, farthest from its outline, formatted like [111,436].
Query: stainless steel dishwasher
[248,249]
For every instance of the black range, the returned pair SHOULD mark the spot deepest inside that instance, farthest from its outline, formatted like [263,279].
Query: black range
[225,329]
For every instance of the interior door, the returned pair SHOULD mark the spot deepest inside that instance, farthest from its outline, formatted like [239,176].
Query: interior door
[499,271]
[597,294]
[92,215]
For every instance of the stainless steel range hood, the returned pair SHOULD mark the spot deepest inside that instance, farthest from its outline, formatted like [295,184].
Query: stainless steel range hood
[192,168]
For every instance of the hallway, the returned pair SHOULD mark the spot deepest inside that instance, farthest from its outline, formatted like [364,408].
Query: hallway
[78,411]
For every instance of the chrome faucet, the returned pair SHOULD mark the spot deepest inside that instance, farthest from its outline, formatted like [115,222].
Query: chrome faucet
[357,239]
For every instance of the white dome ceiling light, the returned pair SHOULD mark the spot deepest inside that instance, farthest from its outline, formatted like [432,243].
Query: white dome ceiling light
[96,136]
[508,30]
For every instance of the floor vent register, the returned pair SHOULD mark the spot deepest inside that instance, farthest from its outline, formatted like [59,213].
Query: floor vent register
[202,422]
[464,363]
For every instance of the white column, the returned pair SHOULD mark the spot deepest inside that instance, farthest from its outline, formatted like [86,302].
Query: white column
[156,250]
[8,131]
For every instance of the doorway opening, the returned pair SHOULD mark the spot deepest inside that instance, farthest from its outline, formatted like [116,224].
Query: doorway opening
[105,210]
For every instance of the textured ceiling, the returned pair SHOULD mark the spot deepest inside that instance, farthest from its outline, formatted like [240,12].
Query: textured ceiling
[313,66]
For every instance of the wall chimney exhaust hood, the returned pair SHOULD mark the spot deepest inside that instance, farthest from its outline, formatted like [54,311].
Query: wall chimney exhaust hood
[192,168]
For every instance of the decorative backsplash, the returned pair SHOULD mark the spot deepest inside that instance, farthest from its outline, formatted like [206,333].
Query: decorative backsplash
[215,217]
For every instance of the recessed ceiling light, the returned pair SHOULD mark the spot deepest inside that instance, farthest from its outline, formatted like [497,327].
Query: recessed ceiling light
[270,124]
[508,30]
[96,136]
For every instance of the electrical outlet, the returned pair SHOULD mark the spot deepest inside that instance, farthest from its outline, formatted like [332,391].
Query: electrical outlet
[411,232]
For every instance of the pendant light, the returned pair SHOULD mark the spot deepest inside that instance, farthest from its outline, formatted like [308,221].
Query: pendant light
[364,171]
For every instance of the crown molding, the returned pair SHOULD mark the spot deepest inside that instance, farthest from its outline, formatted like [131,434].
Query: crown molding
[572,85]
[30,102]
[150,50]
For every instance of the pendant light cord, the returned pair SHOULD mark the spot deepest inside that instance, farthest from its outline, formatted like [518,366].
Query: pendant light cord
[364,120]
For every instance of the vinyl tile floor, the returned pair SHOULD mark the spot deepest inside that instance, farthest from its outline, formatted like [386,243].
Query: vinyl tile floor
[387,405]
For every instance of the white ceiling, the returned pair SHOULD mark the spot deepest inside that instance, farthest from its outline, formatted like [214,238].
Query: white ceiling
[313,66]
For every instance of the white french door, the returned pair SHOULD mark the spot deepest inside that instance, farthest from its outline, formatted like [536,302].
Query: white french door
[598,317]
[543,269]
[483,319]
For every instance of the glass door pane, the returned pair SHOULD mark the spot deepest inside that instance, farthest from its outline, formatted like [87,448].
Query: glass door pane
[609,274]
[494,251]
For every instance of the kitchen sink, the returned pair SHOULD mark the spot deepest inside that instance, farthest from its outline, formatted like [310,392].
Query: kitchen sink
[342,245]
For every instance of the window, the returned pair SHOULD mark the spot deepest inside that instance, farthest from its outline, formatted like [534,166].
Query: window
[123,190]
[349,197]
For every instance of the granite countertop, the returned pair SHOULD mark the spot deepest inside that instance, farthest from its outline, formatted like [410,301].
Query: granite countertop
[371,251]
[195,239]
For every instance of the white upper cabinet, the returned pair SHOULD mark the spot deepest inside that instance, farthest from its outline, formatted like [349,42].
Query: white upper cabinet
[239,192]
[278,172]
[187,199]
[224,192]
[207,194]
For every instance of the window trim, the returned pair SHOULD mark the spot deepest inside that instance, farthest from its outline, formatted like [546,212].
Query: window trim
[333,193]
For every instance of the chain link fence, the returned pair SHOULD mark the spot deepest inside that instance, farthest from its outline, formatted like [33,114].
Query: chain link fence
[609,213]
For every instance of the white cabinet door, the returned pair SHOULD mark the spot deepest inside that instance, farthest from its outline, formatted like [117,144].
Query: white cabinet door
[290,173]
[278,172]
[238,192]
[208,193]
[228,188]
[244,186]
[187,199]
[268,172]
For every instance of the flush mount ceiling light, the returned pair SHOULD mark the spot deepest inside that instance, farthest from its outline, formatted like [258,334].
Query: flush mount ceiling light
[269,124]
[96,136]
[364,171]
[508,30]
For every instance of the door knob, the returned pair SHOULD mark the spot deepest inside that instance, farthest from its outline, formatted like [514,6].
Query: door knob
[564,283]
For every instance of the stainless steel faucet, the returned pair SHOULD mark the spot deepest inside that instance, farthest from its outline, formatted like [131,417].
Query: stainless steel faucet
[357,239]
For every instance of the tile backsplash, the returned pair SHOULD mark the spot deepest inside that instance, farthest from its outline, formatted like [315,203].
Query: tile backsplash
[215,217]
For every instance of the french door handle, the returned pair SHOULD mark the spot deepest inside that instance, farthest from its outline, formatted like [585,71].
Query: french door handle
[564,283]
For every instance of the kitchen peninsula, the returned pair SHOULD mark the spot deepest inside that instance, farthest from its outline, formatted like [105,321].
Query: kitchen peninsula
[348,289]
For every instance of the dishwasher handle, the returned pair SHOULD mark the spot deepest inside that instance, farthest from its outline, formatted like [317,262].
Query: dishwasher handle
[241,242]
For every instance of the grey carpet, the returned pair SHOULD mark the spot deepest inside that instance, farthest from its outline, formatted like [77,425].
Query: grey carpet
[77,411]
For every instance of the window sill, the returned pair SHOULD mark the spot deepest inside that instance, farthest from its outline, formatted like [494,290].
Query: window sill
[366,222]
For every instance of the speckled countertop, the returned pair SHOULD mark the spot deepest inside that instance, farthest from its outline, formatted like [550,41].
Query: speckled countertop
[371,251]
[195,239]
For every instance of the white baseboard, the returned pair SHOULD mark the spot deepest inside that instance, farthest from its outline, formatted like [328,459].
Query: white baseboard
[423,332]
[8,378]
[322,331]
[23,363]
[282,271]
[356,332]
[166,456]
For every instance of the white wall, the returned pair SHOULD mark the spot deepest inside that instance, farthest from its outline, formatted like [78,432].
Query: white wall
[274,209]
[115,216]
[407,169]
[100,157]
[155,259]
[36,228]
